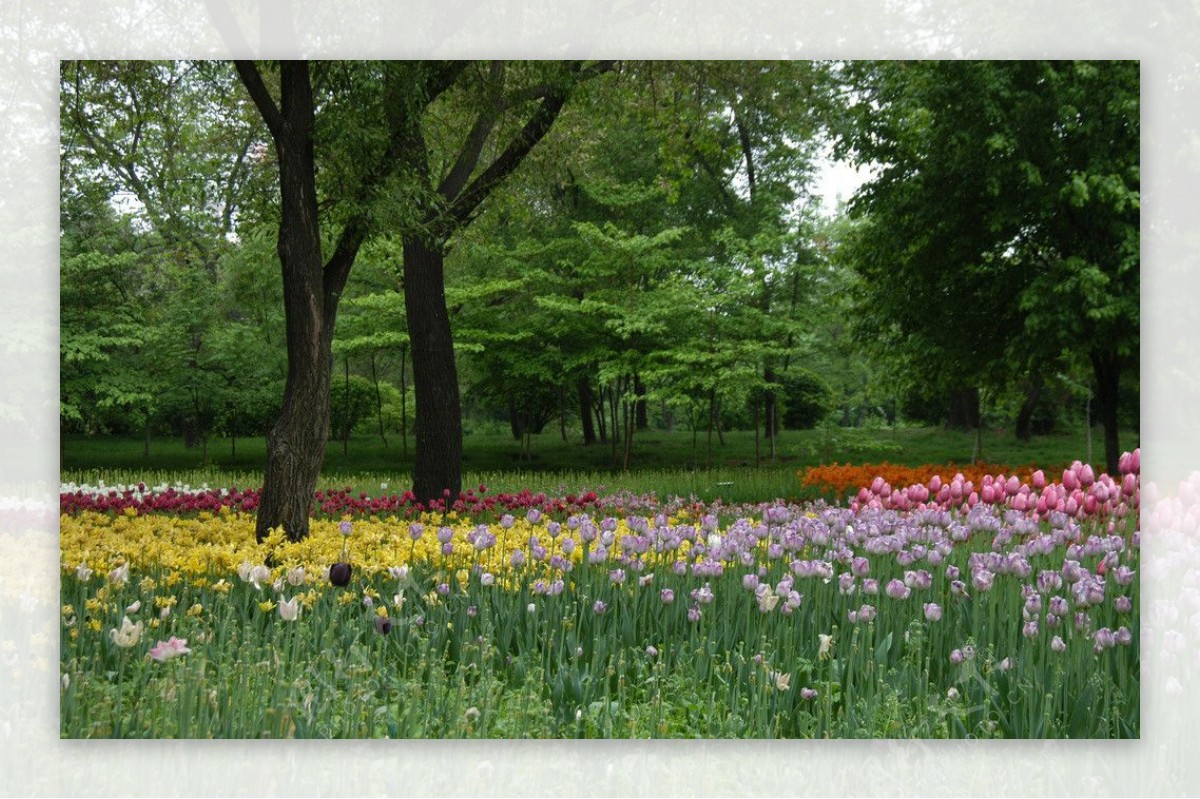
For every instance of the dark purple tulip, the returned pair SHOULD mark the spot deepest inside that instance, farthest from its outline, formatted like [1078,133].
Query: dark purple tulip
[383,625]
[339,574]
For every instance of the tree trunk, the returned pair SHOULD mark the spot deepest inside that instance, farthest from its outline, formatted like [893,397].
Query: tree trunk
[516,422]
[630,424]
[614,412]
[963,409]
[404,402]
[601,419]
[1108,381]
[1024,422]
[296,446]
[346,412]
[585,411]
[757,457]
[311,290]
[641,421]
[712,415]
[437,465]
[378,401]
[562,413]
[769,402]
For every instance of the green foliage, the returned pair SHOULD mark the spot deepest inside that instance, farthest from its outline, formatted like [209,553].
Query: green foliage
[1006,197]
[807,398]
[349,404]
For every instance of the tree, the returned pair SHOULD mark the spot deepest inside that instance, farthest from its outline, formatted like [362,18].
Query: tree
[1006,197]
[312,285]
[446,200]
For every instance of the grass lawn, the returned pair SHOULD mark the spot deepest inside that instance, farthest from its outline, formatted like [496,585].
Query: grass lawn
[662,461]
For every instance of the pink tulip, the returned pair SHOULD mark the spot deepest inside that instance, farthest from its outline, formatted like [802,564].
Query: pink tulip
[1070,481]
[1013,485]
[1039,479]
[1072,507]
[1050,496]
[1090,504]
[973,499]
[165,650]
[935,484]
[1087,476]
[1019,503]
[988,495]
[1129,484]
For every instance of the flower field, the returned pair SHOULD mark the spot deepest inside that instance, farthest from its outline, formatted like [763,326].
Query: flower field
[955,605]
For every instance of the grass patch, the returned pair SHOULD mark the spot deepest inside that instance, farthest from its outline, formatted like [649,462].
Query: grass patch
[663,461]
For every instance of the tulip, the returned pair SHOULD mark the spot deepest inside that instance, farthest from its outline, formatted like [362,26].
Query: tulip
[339,574]
[127,635]
[1129,484]
[383,625]
[166,650]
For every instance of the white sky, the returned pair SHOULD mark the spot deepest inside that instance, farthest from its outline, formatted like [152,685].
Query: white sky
[837,181]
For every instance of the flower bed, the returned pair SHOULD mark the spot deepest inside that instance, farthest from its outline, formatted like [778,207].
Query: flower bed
[777,620]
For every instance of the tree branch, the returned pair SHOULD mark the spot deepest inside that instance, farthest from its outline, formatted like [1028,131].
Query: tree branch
[252,79]
[468,156]
[467,201]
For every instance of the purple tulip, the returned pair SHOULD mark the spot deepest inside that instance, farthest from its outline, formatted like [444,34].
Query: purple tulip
[1030,629]
[897,590]
[1048,581]
[1058,644]
[982,580]
[933,611]
[339,574]
[667,596]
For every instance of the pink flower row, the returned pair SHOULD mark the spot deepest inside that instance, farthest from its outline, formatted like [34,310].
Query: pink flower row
[1079,494]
